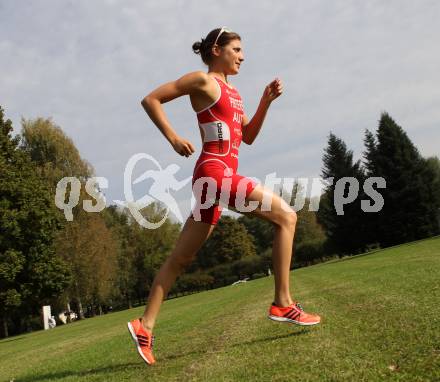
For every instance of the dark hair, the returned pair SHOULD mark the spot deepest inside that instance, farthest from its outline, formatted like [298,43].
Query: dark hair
[204,47]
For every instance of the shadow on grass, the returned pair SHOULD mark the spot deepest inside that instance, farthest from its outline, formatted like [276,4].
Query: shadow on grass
[11,339]
[141,365]
[81,373]
[239,344]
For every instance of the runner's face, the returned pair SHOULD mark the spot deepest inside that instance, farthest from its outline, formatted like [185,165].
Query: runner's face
[231,56]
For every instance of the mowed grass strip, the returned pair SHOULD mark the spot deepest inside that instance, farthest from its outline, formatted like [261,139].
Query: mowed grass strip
[380,321]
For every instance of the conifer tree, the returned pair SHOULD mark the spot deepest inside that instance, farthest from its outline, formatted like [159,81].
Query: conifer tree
[410,209]
[433,177]
[344,232]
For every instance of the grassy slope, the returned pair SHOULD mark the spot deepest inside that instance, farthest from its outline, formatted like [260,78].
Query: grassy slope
[380,312]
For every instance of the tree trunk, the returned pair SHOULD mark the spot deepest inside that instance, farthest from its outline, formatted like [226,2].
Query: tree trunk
[67,314]
[5,326]
[80,308]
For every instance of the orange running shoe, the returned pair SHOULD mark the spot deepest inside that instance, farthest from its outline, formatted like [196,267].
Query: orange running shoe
[293,313]
[143,339]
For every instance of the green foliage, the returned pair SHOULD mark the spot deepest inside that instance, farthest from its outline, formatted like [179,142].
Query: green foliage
[148,248]
[309,252]
[370,154]
[229,241]
[53,151]
[247,266]
[118,222]
[89,248]
[411,197]
[432,175]
[411,202]
[307,226]
[345,232]
[222,274]
[191,282]
[30,272]
[261,231]
[227,273]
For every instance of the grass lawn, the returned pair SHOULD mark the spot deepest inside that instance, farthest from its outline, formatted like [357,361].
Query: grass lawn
[380,321]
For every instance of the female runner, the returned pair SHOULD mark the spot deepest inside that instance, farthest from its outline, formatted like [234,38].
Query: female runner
[223,126]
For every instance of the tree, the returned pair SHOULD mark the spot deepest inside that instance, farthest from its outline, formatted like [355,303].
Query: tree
[261,231]
[82,241]
[53,151]
[228,242]
[307,227]
[410,210]
[87,245]
[117,221]
[344,232]
[190,282]
[150,247]
[432,176]
[30,271]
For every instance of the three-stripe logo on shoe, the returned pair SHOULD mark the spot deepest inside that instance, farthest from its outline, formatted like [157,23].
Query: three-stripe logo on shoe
[143,340]
[292,314]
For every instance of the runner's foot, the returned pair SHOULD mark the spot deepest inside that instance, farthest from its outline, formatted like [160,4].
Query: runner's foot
[143,340]
[293,313]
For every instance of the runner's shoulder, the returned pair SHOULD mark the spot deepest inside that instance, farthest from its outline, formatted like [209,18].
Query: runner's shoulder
[199,79]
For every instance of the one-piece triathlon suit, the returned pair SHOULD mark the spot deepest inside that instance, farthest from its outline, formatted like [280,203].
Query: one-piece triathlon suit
[221,126]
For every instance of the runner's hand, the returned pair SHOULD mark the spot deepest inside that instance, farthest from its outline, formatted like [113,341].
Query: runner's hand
[273,90]
[183,147]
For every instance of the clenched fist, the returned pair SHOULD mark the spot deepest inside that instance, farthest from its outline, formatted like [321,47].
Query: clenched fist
[183,147]
[273,90]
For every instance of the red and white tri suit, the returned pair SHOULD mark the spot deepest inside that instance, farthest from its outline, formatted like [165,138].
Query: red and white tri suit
[221,126]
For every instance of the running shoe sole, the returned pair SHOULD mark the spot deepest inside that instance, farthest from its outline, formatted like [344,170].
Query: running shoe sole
[285,319]
[133,335]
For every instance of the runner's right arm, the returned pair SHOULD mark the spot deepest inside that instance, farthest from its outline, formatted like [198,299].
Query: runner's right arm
[188,84]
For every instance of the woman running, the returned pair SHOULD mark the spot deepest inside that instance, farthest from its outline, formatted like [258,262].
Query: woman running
[223,126]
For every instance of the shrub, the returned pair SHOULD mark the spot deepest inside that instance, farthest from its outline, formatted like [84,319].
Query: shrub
[309,252]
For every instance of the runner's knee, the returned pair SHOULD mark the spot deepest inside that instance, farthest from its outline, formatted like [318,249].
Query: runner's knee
[287,219]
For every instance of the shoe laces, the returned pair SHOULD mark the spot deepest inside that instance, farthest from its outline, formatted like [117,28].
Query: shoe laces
[299,306]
